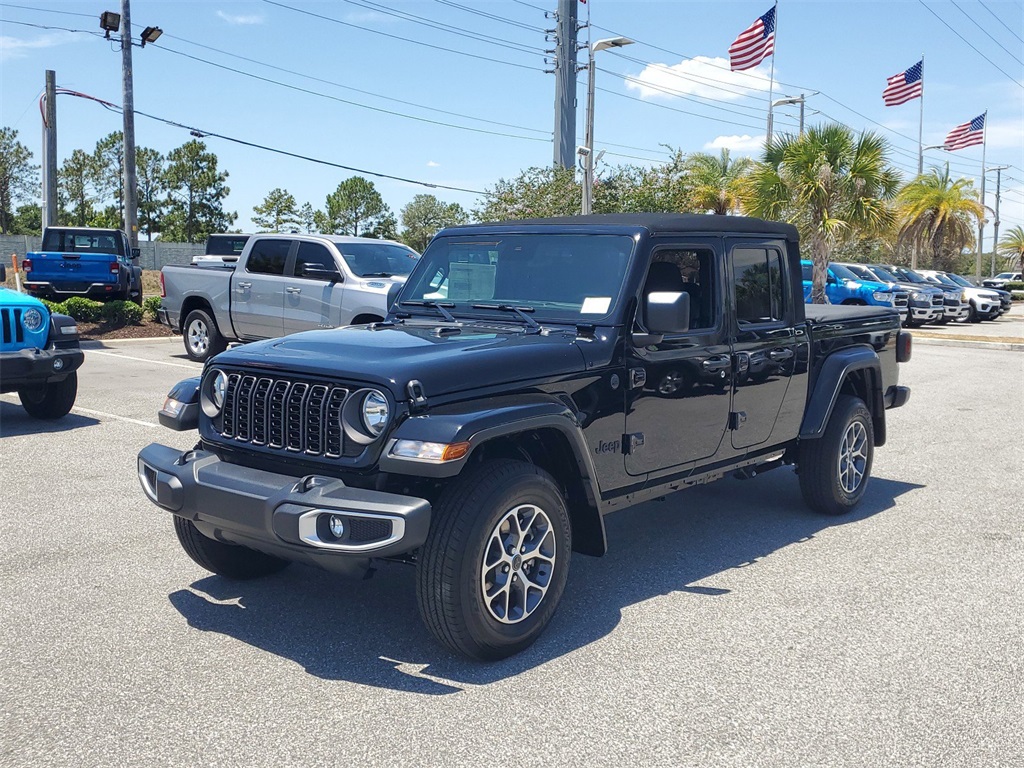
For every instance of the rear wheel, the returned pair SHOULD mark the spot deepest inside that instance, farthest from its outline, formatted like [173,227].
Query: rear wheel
[227,560]
[202,338]
[50,401]
[495,562]
[834,469]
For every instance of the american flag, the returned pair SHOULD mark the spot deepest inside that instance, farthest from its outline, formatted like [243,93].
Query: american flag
[905,86]
[755,43]
[966,135]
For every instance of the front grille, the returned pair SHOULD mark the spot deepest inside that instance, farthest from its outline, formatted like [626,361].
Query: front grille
[11,331]
[294,416]
[901,299]
[937,300]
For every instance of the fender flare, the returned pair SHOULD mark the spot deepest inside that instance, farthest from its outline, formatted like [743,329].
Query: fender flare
[502,417]
[834,371]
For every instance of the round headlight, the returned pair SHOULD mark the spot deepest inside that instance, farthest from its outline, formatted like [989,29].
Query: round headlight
[32,319]
[218,388]
[375,412]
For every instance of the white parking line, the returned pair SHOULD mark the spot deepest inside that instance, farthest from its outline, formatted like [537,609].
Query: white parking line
[105,415]
[144,359]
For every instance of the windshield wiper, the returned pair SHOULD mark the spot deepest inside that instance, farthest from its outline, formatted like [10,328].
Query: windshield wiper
[440,307]
[521,311]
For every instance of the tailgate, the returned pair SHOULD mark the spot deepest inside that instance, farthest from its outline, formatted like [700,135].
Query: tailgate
[86,268]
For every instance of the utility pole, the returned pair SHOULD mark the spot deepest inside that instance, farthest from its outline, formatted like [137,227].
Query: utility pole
[50,150]
[131,189]
[565,83]
[995,232]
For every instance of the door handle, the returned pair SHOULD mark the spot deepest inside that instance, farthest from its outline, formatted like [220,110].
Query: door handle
[244,285]
[716,364]
[778,355]
[292,289]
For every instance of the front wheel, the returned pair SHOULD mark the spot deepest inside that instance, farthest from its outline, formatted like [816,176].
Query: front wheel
[50,401]
[227,560]
[495,562]
[202,338]
[834,469]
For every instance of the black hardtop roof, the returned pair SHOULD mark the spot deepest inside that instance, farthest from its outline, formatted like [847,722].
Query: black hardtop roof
[654,223]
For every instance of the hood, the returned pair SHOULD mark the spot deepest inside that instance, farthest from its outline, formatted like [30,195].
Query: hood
[444,358]
[11,298]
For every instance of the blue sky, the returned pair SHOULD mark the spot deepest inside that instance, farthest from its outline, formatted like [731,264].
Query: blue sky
[477,64]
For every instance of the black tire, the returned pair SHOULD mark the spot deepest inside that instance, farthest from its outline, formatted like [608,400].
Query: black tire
[202,338]
[973,316]
[227,560]
[466,528]
[823,483]
[50,401]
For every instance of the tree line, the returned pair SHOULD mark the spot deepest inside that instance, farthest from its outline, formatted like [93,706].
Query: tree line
[838,187]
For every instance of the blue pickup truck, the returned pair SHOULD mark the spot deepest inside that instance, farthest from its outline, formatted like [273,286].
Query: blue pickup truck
[39,354]
[844,287]
[84,261]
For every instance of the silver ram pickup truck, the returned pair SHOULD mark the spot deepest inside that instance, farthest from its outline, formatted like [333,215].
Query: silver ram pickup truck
[282,284]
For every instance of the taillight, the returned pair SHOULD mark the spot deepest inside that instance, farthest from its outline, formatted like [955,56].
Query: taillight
[114,267]
[904,342]
[26,266]
[163,290]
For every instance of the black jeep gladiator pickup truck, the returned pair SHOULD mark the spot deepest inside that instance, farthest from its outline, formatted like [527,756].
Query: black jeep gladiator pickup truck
[531,378]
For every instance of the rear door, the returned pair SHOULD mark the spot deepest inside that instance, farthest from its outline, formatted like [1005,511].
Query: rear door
[312,302]
[764,340]
[257,290]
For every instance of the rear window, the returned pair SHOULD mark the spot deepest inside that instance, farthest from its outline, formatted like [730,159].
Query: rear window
[225,245]
[83,241]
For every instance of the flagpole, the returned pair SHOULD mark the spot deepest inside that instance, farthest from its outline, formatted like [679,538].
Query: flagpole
[920,126]
[771,78]
[981,221]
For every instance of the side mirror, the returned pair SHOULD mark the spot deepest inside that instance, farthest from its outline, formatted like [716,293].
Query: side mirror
[664,312]
[831,279]
[136,252]
[3,273]
[317,272]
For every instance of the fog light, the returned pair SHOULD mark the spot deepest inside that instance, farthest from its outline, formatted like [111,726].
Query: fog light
[337,526]
[58,364]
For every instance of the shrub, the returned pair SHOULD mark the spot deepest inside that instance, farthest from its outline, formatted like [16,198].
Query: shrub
[151,305]
[56,308]
[1014,286]
[122,313]
[84,310]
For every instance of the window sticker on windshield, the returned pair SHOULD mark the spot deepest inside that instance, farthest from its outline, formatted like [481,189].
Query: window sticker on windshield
[595,305]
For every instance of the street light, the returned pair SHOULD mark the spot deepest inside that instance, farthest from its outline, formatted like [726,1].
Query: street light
[587,150]
[780,103]
[151,35]
[109,22]
[995,232]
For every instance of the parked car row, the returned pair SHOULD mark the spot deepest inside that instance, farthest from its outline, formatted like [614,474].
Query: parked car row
[919,296]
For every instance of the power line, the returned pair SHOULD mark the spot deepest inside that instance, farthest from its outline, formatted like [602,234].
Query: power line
[698,79]
[493,16]
[993,13]
[968,42]
[403,39]
[47,10]
[975,23]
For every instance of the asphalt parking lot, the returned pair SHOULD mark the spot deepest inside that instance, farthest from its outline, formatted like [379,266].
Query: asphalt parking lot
[727,626]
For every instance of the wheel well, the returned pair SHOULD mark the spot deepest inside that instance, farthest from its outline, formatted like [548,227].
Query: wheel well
[365,319]
[864,384]
[550,450]
[191,304]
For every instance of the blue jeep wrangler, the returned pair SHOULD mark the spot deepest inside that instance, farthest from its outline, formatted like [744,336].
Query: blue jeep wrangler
[39,354]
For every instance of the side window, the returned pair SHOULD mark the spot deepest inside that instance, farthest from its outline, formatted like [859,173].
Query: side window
[268,257]
[757,279]
[691,270]
[317,256]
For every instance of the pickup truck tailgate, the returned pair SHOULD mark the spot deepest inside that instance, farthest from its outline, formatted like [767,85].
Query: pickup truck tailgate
[69,269]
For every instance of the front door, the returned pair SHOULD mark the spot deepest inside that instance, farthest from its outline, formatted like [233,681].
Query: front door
[678,400]
[311,303]
[764,343]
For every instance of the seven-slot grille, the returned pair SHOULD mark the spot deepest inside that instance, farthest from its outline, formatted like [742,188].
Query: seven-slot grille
[297,416]
[11,331]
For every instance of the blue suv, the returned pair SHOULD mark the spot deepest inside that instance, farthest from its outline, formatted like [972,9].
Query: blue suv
[844,287]
[39,354]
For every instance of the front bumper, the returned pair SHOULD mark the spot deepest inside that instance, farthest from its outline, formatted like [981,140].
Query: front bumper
[925,314]
[282,515]
[957,311]
[31,367]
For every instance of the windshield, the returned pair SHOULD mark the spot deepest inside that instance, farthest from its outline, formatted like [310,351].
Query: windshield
[569,278]
[843,273]
[884,276]
[912,276]
[378,259]
[944,279]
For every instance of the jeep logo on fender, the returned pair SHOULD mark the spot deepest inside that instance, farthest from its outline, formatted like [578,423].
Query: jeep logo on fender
[609,447]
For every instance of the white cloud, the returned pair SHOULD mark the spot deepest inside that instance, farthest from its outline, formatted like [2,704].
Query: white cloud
[1005,134]
[15,48]
[432,164]
[241,20]
[745,145]
[702,76]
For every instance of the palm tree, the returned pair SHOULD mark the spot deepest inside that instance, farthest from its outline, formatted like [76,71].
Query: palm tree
[1012,246]
[939,213]
[834,186]
[715,181]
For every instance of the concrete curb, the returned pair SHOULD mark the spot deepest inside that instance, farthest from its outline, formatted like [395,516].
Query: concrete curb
[100,343]
[1008,346]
